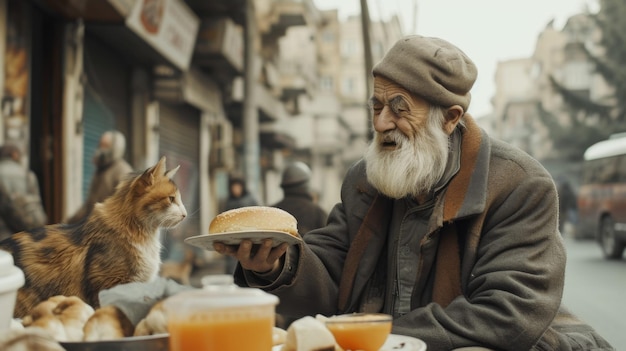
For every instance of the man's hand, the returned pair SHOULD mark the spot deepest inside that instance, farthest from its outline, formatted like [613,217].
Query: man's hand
[259,258]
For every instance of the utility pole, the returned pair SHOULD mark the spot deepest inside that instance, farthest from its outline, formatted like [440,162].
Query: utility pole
[367,49]
[251,142]
[415,13]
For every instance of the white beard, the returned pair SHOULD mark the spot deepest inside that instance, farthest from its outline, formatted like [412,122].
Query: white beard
[414,167]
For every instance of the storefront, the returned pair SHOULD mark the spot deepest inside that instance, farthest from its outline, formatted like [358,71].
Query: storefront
[110,81]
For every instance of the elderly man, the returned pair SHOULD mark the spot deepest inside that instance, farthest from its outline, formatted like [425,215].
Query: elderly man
[111,169]
[451,232]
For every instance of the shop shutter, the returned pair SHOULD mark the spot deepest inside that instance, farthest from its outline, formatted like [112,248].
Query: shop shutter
[179,142]
[105,104]
[97,119]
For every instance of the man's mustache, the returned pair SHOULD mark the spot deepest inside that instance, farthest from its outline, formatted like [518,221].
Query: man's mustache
[392,137]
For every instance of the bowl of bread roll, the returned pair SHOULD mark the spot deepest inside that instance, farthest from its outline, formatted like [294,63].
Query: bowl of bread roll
[76,326]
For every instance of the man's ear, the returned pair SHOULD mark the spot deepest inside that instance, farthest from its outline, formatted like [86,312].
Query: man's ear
[453,117]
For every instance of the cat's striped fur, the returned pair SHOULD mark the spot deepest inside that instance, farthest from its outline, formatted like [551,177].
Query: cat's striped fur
[117,243]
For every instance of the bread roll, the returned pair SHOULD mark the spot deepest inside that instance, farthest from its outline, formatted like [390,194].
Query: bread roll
[254,218]
[309,334]
[62,317]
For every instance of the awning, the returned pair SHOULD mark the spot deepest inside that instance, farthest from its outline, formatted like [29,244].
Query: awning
[272,139]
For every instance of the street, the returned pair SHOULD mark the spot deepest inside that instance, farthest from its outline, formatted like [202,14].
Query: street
[595,290]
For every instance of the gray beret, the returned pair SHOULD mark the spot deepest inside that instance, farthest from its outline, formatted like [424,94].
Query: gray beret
[431,68]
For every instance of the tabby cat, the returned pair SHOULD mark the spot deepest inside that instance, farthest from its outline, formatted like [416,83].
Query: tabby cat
[117,243]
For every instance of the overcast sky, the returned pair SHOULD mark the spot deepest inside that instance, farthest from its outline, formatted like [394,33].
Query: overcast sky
[488,31]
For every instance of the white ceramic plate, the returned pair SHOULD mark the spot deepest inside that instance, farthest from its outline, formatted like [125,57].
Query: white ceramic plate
[394,343]
[205,241]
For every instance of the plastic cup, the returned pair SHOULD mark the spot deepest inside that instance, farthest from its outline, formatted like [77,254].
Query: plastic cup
[11,279]
[221,317]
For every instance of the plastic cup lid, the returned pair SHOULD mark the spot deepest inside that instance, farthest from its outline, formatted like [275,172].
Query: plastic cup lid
[216,297]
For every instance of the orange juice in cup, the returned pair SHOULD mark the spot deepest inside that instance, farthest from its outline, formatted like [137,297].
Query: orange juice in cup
[360,331]
[227,318]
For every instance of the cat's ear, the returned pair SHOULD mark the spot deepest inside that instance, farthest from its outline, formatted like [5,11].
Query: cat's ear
[155,171]
[170,174]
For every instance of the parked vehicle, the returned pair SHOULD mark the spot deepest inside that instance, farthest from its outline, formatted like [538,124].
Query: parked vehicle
[602,196]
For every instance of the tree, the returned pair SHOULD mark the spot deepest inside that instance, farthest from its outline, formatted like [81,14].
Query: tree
[609,20]
[592,121]
[571,141]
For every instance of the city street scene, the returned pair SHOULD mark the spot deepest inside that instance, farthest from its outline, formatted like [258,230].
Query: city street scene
[305,175]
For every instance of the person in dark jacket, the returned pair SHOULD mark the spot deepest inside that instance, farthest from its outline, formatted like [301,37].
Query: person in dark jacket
[238,196]
[453,233]
[298,198]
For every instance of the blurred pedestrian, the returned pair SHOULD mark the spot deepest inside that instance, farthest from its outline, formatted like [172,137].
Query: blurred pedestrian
[20,199]
[238,196]
[298,198]
[567,204]
[111,169]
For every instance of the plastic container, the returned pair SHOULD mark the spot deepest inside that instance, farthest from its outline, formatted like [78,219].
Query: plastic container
[221,316]
[11,279]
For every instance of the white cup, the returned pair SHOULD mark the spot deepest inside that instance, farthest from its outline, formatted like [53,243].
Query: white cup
[11,279]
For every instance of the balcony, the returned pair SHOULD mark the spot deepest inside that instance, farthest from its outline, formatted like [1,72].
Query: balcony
[234,9]
[278,15]
[296,79]
[220,48]
[270,108]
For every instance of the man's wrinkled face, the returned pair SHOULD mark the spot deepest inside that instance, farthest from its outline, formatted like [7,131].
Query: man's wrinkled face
[409,152]
[395,108]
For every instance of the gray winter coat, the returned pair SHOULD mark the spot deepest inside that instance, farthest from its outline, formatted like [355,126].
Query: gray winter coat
[15,179]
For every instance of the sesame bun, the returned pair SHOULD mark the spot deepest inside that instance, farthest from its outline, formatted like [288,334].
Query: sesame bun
[253,218]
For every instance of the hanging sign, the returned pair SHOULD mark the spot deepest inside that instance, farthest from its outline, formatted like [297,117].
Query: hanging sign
[169,26]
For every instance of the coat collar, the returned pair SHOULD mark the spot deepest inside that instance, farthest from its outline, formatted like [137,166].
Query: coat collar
[466,194]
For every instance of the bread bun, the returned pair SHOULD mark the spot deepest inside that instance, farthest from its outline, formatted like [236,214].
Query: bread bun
[309,334]
[254,218]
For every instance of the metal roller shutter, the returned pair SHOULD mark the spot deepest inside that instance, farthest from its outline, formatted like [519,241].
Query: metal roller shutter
[98,119]
[105,101]
[179,140]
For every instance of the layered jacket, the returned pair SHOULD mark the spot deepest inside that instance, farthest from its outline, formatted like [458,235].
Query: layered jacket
[491,269]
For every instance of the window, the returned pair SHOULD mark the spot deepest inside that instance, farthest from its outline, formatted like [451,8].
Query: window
[328,36]
[326,83]
[348,86]
[348,48]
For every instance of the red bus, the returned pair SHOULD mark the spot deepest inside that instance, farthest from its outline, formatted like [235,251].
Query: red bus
[602,196]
